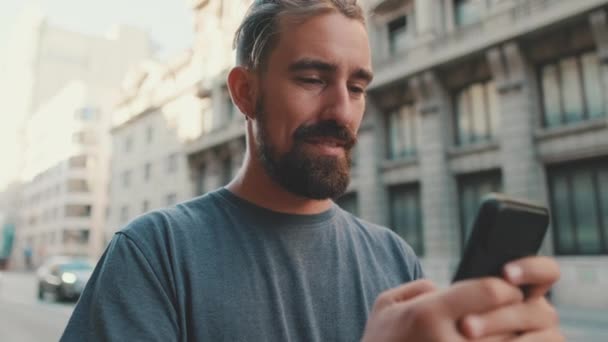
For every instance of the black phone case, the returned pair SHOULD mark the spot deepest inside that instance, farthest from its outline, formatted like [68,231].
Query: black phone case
[505,229]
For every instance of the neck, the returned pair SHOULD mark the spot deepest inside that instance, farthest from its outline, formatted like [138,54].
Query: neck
[253,184]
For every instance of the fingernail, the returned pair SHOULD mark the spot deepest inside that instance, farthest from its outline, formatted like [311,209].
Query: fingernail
[513,272]
[475,326]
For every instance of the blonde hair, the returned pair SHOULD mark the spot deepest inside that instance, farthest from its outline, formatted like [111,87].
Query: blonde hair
[259,31]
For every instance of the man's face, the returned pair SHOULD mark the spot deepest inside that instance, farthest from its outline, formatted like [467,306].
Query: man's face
[311,103]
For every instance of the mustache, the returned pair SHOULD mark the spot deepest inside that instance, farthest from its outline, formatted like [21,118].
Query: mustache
[327,129]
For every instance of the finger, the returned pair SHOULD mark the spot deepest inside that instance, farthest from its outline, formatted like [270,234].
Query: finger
[532,315]
[479,295]
[497,338]
[404,292]
[551,335]
[537,271]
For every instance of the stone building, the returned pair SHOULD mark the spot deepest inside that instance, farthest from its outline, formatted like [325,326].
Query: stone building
[471,97]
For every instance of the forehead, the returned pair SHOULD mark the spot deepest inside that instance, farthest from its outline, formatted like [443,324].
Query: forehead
[331,37]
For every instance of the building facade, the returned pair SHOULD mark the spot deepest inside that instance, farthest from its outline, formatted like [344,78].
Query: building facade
[159,111]
[471,97]
[68,81]
[42,58]
[64,190]
[164,108]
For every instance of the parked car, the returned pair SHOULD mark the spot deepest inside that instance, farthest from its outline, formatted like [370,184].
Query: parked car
[63,276]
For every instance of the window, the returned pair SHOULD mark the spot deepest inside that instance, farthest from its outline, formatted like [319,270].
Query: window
[77,210]
[467,11]
[476,111]
[124,213]
[402,127]
[471,189]
[406,215]
[147,171]
[171,199]
[230,107]
[200,180]
[172,163]
[397,34]
[77,162]
[149,134]
[572,90]
[145,206]
[76,236]
[86,114]
[77,185]
[128,144]
[349,203]
[579,205]
[84,137]
[126,178]
[227,169]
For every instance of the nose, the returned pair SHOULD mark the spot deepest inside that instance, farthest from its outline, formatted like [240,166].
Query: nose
[337,105]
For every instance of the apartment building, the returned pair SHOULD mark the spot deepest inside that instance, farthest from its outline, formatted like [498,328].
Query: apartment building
[159,111]
[42,58]
[166,106]
[60,84]
[64,189]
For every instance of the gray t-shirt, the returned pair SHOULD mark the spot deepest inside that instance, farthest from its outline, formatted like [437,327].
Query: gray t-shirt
[219,268]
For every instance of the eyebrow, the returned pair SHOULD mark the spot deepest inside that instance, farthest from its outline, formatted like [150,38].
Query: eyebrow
[308,64]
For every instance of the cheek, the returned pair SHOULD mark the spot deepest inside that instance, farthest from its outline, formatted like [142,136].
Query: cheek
[287,109]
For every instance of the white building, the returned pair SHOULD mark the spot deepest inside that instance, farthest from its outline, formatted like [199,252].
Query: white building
[65,83]
[41,58]
[159,112]
[166,106]
[65,177]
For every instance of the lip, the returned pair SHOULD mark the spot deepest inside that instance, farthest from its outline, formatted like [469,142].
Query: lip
[327,145]
[327,141]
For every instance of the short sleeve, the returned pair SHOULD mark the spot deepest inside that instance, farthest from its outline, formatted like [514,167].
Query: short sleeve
[124,300]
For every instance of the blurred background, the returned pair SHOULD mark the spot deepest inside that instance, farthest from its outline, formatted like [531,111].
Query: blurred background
[112,109]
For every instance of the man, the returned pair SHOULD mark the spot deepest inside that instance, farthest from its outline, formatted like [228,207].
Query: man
[270,257]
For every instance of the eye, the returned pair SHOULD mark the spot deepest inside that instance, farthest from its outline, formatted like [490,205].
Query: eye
[357,90]
[310,80]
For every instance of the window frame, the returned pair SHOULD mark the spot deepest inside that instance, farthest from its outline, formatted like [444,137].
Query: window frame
[555,61]
[491,134]
[347,198]
[408,189]
[569,170]
[391,153]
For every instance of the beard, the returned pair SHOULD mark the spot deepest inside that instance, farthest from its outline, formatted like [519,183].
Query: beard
[300,170]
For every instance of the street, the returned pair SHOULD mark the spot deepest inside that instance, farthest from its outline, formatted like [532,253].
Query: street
[24,318]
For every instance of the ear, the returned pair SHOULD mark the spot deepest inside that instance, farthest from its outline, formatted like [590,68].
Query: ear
[242,87]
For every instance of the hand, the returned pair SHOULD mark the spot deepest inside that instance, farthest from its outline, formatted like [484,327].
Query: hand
[418,312]
[536,318]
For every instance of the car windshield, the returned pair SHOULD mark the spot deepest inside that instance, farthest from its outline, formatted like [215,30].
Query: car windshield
[76,266]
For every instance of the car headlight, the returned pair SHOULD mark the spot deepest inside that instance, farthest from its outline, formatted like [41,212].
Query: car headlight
[68,278]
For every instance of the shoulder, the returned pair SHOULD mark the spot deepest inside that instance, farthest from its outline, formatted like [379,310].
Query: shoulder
[383,241]
[174,225]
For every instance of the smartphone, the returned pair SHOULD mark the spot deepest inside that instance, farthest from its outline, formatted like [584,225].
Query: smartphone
[505,229]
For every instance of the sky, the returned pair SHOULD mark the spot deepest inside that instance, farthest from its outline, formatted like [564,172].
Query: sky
[169,23]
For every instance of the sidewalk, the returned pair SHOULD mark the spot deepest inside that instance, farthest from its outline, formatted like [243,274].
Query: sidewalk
[584,325]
